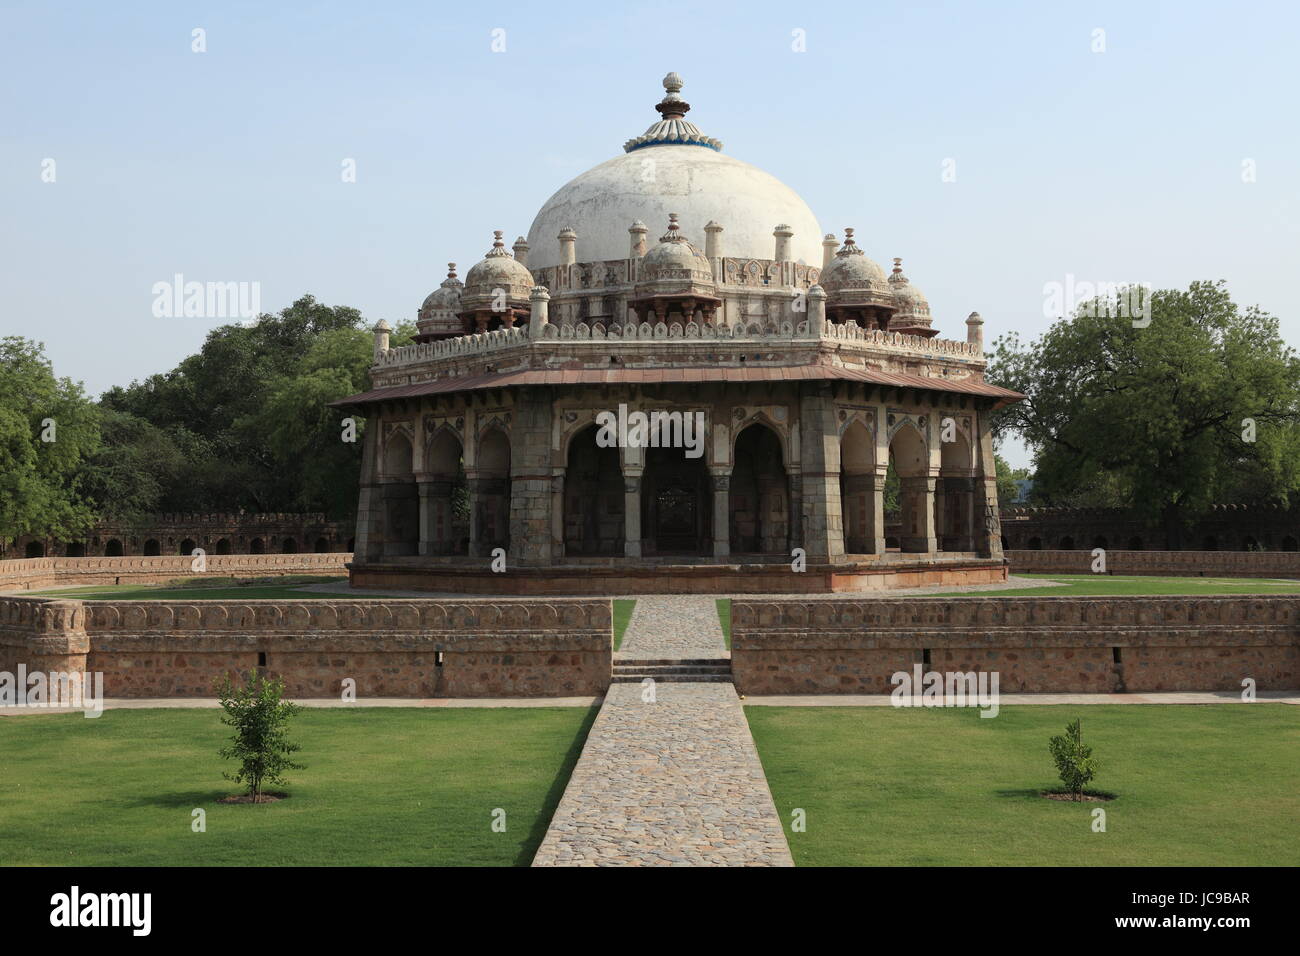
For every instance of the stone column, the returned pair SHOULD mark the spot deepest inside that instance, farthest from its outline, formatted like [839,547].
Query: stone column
[531,477]
[474,485]
[988,522]
[370,504]
[557,514]
[435,515]
[876,519]
[917,499]
[631,512]
[819,443]
[720,483]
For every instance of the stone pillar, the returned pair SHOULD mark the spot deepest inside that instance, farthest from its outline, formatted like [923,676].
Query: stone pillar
[975,331]
[876,519]
[568,246]
[816,311]
[819,444]
[435,515]
[474,485]
[539,301]
[720,483]
[631,512]
[531,477]
[557,513]
[381,330]
[520,250]
[370,503]
[783,234]
[916,495]
[636,239]
[988,522]
[829,245]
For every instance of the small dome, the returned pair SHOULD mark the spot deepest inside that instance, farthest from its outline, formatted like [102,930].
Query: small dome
[498,270]
[675,258]
[445,298]
[911,300]
[852,272]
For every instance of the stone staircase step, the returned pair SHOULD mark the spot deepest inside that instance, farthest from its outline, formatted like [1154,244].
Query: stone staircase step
[673,678]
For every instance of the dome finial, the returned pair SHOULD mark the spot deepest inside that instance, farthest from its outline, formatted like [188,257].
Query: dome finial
[850,248]
[674,230]
[672,129]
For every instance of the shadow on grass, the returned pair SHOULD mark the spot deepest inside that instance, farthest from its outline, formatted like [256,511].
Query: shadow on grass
[543,821]
[1025,794]
[186,800]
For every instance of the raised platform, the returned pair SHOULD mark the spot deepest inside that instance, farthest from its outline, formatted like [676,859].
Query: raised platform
[615,576]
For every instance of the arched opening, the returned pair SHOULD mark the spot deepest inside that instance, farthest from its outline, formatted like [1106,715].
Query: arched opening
[289,546]
[322,546]
[858,489]
[1100,542]
[446,498]
[256,546]
[490,493]
[1005,545]
[593,497]
[223,546]
[401,499]
[1248,543]
[1135,544]
[759,499]
[75,549]
[1289,544]
[352,545]
[1067,544]
[35,549]
[1210,543]
[113,549]
[152,547]
[187,547]
[954,504]
[676,504]
[911,460]
[1035,544]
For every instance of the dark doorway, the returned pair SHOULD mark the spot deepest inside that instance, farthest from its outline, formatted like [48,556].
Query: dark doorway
[593,498]
[675,503]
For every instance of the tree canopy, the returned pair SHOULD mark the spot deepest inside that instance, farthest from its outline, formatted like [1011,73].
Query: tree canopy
[1200,405]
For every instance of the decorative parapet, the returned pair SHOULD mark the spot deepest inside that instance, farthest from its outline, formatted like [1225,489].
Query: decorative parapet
[766,332]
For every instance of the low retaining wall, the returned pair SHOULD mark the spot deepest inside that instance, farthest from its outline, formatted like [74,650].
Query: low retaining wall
[1213,564]
[389,648]
[1037,645]
[34,574]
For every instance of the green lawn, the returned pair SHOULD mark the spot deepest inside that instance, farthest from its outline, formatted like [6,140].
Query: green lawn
[383,786]
[1201,785]
[1107,584]
[622,618]
[724,618]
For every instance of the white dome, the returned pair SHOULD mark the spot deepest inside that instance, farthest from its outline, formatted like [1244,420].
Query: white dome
[697,183]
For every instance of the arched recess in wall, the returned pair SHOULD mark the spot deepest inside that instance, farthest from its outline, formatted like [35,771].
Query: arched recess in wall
[759,496]
[857,488]
[223,546]
[954,502]
[676,504]
[911,460]
[401,533]
[490,491]
[257,546]
[322,546]
[445,498]
[1135,544]
[594,521]
[289,546]
[187,547]
[152,547]
[75,549]
[113,549]
[1067,544]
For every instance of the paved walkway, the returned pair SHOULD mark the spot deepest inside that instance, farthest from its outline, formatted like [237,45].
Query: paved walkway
[672,781]
[676,626]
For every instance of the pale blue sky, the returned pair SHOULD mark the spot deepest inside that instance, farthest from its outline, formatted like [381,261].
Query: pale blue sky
[225,166]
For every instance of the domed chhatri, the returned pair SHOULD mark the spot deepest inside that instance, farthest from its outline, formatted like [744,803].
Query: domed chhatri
[496,289]
[786,373]
[439,312]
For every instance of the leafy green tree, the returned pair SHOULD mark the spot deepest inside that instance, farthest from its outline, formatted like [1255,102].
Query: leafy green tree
[1074,760]
[1202,404]
[1008,488]
[48,428]
[256,709]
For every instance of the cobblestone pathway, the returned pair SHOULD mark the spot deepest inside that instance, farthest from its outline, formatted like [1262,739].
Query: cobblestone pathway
[673,782]
[674,626]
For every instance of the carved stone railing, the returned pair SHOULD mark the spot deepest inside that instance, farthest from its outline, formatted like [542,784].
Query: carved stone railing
[787,331]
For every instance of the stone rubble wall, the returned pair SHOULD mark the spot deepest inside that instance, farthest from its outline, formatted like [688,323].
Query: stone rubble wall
[1236,564]
[1037,645]
[558,648]
[32,574]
